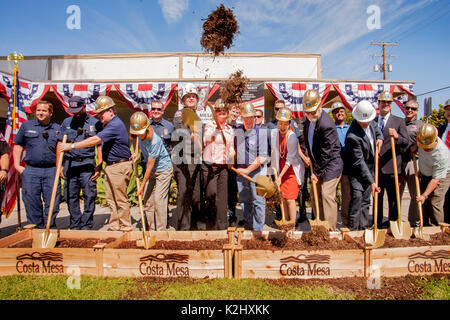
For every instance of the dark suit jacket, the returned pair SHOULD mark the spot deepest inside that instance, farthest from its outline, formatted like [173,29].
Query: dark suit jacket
[401,144]
[326,149]
[441,131]
[360,156]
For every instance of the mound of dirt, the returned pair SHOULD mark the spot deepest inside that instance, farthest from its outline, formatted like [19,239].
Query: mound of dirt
[179,245]
[219,30]
[318,236]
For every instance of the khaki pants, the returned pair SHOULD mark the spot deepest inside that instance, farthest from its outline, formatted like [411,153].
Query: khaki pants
[155,199]
[433,207]
[117,177]
[327,201]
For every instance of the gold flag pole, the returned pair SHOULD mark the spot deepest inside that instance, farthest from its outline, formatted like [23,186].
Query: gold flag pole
[16,58]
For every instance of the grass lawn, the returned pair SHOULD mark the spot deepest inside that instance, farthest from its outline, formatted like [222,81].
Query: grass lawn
[93,288]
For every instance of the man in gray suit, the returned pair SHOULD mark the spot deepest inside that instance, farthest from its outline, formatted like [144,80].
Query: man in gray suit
[363,137]
[391,126]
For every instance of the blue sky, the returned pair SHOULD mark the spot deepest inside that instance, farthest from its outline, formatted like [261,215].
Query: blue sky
[335,28]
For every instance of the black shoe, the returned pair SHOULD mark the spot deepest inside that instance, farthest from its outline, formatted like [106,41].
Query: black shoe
[241,223]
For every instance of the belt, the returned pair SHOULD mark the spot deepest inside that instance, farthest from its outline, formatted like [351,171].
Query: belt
[49,165]
[79,159]
[115,162]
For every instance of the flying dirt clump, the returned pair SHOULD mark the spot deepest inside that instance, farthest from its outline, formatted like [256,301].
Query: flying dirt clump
[233,88]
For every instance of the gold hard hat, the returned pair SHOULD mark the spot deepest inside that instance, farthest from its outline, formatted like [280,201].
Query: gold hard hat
[386,96]
[284,114]
[104,103]
[426,136]
[219,104]
[139,122]
[311,100]
[337,105]
[447,103]
[247,110]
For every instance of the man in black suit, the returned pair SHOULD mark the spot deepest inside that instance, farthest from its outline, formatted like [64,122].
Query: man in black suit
[391,126]
[324,151]
[444,134]
[363,137]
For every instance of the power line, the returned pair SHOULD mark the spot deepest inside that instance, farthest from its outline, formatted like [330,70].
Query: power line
[444,88]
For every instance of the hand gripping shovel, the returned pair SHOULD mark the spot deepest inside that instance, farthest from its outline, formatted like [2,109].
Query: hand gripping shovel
[375,237]
[148,241]
[47,239]
[283,221]
[399,229]
[316,222]
[264,185]
[418,232]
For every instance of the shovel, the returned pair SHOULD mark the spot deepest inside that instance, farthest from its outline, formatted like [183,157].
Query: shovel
[264,185]
[399,229]
[47,239]
[375,237]
[283,221]
[418,232]
[148,241]
[316,222]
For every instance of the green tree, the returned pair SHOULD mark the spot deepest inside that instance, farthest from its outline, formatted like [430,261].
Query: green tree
[437,117]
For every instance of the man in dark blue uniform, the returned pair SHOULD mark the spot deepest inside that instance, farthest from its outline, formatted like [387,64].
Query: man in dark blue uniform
[39,138]
[80,169]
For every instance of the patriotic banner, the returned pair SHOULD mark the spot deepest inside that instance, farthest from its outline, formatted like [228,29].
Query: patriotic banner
[350,93]
[15,117]
[88,91]
[205,92]
[139,96]
[30,92]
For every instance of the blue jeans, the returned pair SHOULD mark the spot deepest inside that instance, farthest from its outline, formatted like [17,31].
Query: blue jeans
[37,185]
[253,206]
[76,180]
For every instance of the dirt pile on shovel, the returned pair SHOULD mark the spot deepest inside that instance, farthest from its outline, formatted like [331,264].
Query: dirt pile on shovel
[219,30]
[233,88]
[273,202]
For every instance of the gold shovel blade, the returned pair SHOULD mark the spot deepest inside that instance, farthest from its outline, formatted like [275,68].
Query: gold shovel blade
[400,229]
[147,241]
[418,233]
[375,238]
[318,223]
[42,239]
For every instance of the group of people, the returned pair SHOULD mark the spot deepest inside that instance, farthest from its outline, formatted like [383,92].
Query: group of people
[215,162]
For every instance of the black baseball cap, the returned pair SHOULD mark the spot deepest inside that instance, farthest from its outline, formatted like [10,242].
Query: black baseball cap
[76,103]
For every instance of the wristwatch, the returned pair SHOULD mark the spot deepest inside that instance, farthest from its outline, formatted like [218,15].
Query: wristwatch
[72,146]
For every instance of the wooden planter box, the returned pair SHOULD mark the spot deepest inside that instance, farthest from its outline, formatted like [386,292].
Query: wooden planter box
[107,260]
[300,264]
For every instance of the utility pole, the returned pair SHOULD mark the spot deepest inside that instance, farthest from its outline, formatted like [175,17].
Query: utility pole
[384,44]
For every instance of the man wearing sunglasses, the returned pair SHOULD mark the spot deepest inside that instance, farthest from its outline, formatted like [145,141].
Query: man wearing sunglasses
[162,127]
[407,177]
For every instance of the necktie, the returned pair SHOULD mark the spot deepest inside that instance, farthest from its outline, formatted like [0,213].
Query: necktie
[382,124]
[447,141]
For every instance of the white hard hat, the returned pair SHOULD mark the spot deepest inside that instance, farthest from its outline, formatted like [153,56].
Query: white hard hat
[189,88]
[364,111]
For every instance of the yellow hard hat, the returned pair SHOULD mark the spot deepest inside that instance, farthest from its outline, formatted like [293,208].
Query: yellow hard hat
[311,100]
[139,123]
[386,96]
[104,103]
[219,104]
[426,136]
[284,114]
[247,110]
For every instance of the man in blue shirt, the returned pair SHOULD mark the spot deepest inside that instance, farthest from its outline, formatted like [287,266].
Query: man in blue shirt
[116,154]
[39,138]
[251,144]
[162,127]
[339,114]
[79,168]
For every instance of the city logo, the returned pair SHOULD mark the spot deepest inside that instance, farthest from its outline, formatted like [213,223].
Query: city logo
[40,263]
[437,262]
[305,265]
[161,264]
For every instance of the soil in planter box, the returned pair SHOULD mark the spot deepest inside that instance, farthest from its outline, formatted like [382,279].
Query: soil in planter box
[437,239]
[316,239]
[66,243]
[179,245]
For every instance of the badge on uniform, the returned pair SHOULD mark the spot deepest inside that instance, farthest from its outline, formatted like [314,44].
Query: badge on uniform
[91,128]
[166,132]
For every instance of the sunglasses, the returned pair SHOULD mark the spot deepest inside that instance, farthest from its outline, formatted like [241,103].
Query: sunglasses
[156,109]
[410,108]
[259,116]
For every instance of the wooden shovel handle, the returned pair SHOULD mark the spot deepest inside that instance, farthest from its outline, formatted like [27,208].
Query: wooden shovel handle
[281,204]
[138,186]
[244,175]
[397,191]
[375,198]
[416,178]
[55,187]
